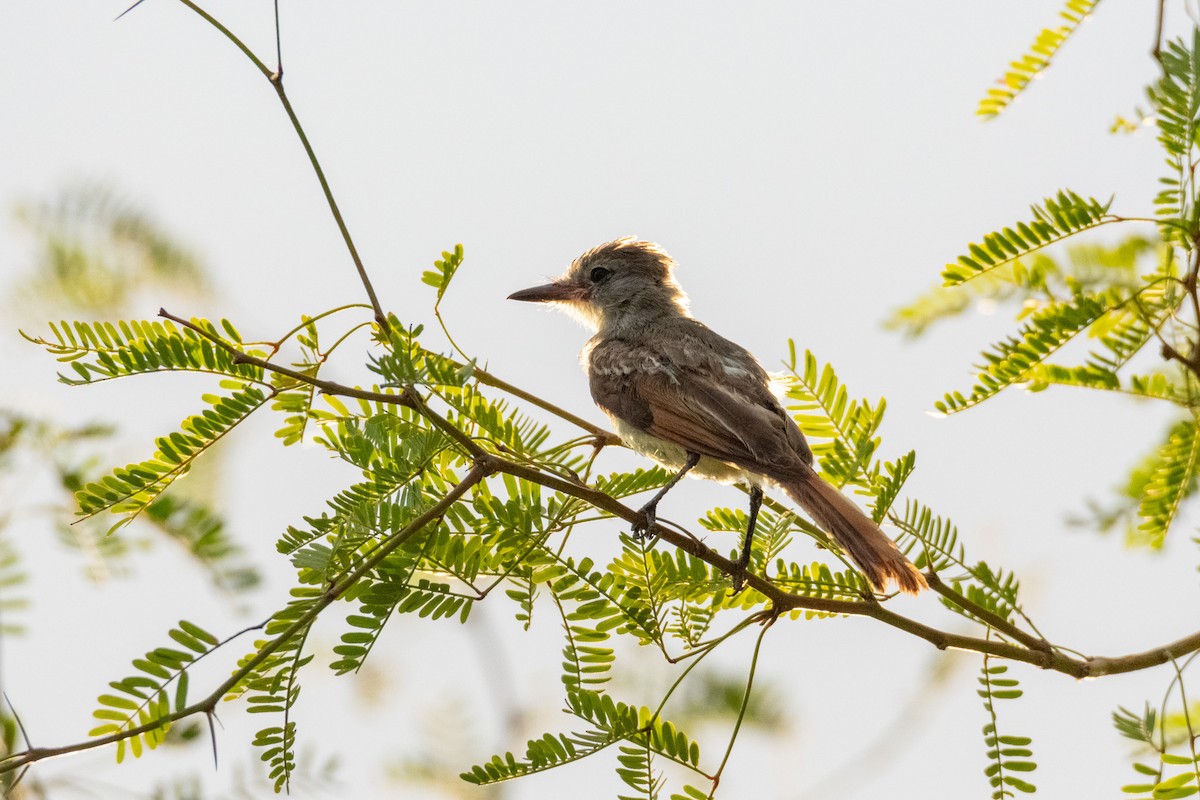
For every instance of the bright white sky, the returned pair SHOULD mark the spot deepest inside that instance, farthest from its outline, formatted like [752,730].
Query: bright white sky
[810,166]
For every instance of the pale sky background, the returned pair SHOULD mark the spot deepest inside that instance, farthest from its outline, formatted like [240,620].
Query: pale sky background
[809,165]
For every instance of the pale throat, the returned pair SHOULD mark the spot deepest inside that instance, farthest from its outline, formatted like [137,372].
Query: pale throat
[638,313]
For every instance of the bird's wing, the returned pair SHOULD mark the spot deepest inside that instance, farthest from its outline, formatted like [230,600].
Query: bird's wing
[707,416]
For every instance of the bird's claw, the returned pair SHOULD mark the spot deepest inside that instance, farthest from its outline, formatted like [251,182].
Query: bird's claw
[643,528]
[738,577]
[741,569]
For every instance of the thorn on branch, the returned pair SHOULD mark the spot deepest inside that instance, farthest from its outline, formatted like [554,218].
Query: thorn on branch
[17,719]
[126,11]
[209,716]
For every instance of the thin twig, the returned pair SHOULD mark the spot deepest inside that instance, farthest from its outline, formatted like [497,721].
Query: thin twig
[276,79]
[1158,33]
[984,615]
[1187,718]
[278,44]
[307,321]
[1190,281]
[228,34]
[737,726]
[603,436]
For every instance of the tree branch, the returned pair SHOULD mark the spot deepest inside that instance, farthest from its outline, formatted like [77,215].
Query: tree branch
[407,398]
[1027,649]
[1030,649]
[784,601]
[984,615]
[480,470]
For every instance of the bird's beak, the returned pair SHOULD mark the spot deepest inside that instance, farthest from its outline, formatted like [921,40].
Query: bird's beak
[551,293]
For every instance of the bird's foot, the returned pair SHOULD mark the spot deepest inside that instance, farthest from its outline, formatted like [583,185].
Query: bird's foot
[739,572]
[741,566]
[643,528]
[739,581]
[738,576]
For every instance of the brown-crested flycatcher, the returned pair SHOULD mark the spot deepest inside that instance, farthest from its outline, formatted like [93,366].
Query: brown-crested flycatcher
[693,400]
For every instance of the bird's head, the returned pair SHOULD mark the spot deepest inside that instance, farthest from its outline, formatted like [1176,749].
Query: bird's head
[625,281]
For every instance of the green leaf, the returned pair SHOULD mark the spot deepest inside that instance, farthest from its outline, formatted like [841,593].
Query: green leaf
[407,363]
[818,580]
[129,490]
[637,732]
[620,485]
[1177,786]
[102,351]
[1090,267]
[12,576]
[843,433]
[1004,760]
[444,270]
[1171,479]
[1176,99]
[1029,66]
[1058,218]
[272,686]
[888,486]
[1122,332]
[295,403]
[97,251]
[1015,359]
[141,699]
[203,535]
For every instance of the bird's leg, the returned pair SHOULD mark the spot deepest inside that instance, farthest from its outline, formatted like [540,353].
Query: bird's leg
[739,575]
[643,527]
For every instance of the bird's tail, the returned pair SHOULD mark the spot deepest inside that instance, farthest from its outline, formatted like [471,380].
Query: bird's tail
[876,555]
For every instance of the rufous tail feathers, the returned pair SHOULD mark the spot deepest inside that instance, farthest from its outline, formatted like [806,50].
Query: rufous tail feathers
[875,554]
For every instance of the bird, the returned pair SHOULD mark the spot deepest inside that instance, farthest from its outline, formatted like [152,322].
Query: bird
[685,396]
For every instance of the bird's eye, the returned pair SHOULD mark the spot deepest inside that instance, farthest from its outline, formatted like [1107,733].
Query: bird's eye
[600,274]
